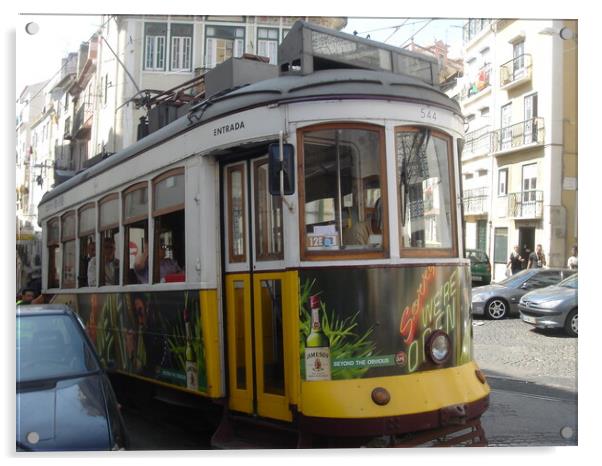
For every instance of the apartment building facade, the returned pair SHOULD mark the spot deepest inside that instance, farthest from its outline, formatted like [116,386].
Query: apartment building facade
[519,98]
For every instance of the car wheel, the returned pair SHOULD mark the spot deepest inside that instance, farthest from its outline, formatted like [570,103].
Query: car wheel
[497,309]
[570,325]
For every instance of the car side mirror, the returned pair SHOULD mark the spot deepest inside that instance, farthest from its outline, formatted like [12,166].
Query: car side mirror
[526,286]
[281,169]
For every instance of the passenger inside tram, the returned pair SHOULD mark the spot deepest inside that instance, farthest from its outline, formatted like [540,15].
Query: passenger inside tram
[169,269]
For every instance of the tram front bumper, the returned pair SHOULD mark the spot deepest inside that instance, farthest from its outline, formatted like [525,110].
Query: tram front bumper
[418,401]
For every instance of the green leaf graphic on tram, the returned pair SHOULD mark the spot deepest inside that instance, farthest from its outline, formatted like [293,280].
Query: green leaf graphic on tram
[344,343]
[176,339]
[105,337]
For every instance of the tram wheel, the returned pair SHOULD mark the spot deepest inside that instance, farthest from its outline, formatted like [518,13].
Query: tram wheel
[570,325]
[497,309]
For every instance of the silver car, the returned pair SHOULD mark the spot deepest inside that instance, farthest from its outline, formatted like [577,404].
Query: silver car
[552,307]
[500,300]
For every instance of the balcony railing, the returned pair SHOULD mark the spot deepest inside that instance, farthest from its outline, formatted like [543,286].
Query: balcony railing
[516,71]
[62,157]
[476,201]
[526,133]
[525,205]
[478,83]
[82,120]
[477,142]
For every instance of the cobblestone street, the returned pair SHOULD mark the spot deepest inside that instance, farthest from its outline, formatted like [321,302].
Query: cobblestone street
[513,349]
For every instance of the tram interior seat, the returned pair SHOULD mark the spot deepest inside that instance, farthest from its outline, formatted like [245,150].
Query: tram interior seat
[175,277]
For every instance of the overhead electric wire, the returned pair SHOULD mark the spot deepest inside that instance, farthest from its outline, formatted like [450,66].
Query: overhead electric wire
[395,31]
[395,26]
[414,34]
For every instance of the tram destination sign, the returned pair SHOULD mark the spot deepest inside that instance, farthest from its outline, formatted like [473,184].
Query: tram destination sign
[350,51]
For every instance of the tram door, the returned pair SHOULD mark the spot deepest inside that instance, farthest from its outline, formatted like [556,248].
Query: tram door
[258,292]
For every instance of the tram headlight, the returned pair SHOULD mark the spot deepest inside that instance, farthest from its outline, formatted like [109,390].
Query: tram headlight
[438,347]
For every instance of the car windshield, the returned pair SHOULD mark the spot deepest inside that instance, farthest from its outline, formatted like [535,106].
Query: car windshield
[476,256]
[570,282]
[50,347]
[516,280]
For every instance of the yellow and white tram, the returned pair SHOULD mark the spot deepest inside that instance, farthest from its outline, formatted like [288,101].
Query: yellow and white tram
[290,249]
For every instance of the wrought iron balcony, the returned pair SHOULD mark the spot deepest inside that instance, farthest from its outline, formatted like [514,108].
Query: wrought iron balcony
[526,133]
[478,142]
[476,201]
[516,71]
[525,205]
[82,122]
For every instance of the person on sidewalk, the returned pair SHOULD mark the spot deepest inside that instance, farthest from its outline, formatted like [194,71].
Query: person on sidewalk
[537,259]
[515,261]
[573,262]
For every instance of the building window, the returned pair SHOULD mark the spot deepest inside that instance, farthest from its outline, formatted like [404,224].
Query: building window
[54,253]
[135,241]
[424,172]
[529,184]
[267,44]
[108,226]
[87,246]
[506,126]
[344,209]
[502,182]
[530,121]
[222,43]
[68,242]
[169,226]
[155,36]
[500,245]
[518,55]
[181,47]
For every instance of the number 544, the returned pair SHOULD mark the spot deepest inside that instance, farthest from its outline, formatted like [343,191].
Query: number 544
[428,114]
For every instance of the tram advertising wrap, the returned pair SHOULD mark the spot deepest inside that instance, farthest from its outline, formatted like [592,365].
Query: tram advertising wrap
[153,335]
[375,322]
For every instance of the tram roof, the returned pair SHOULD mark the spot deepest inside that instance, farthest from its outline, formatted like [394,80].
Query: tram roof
[320,85]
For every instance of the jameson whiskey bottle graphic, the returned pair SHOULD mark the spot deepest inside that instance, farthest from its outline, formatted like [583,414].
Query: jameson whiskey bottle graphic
[317,346]
[192,371]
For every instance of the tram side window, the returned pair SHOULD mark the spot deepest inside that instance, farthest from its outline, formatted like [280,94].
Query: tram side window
[169,227]
[135,220]
[109,241]
[343,173]
[54,253]
[236,221]
[68,242]
[268,217]
[87,246]
[424,184]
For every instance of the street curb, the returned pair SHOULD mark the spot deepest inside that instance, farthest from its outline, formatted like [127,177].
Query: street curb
[500,382]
